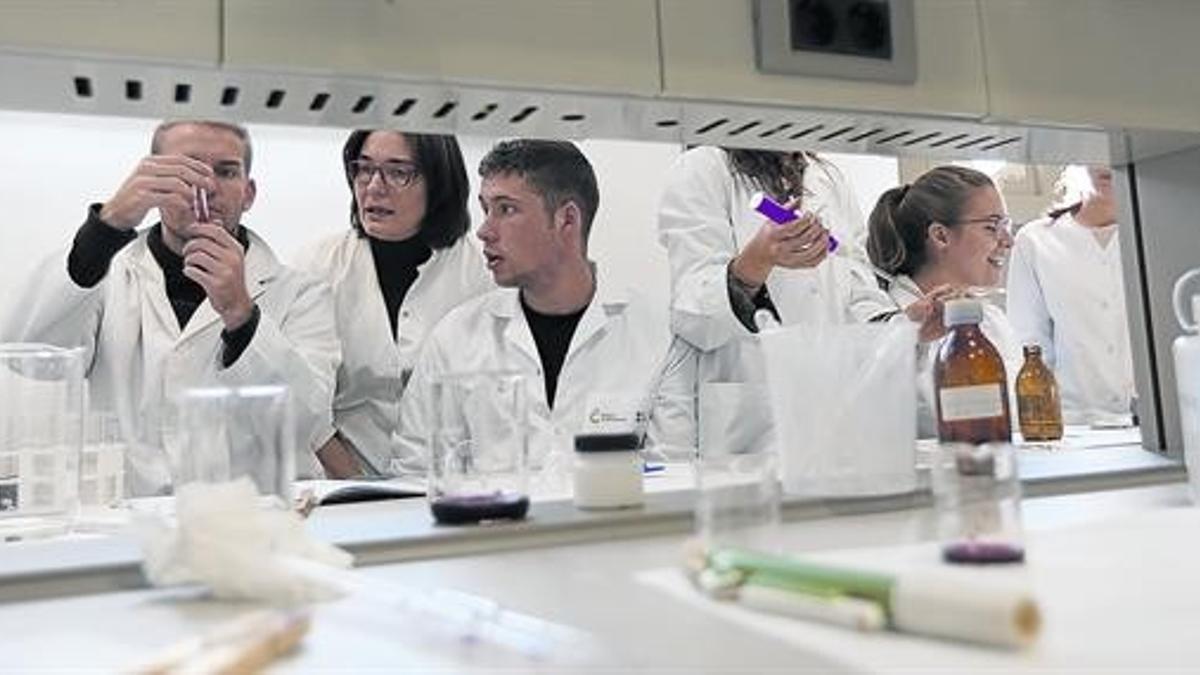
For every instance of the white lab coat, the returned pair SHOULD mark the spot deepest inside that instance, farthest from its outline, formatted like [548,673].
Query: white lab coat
[366,406]
[621,347]
[1065,293]
[138,359]
[705,219]
[904,291]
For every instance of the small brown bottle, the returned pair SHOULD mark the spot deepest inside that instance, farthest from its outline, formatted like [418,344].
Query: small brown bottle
[970,385]
[1039,410]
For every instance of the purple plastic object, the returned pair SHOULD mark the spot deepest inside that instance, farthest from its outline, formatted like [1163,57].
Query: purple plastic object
[779,215]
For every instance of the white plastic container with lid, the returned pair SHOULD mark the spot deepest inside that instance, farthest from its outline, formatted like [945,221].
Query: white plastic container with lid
[608,471]
[1187,378]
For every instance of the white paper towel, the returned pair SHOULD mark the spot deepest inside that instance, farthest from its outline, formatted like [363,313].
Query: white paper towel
[228,541]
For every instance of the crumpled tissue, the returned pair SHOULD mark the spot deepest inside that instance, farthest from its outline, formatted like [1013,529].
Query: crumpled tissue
[227,540]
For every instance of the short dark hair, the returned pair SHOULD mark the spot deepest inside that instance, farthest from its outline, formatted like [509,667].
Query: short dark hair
[556,170]
[235,129]
[440,163]
[898,225]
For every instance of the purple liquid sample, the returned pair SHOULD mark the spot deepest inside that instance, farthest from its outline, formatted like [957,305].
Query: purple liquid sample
[475,508]
[779,215]
[983,552]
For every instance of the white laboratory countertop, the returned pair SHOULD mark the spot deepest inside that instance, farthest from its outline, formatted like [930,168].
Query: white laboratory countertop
[399,530]
[1095,558]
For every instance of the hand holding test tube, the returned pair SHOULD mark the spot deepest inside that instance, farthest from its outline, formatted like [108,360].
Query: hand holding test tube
[781,215]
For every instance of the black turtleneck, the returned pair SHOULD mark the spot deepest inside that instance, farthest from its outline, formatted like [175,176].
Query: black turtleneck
[397,265]
[552,334]
[97,242]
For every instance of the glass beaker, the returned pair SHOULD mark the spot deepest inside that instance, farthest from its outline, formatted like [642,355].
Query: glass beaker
[977,500]
[224,433]
[479,447]
[102,461]
[41,430]
[737,468]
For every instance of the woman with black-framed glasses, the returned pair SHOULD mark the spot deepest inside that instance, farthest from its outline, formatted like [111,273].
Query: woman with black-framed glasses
[945,235]
[404,262]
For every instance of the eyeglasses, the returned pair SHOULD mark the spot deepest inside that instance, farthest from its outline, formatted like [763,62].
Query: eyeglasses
[994,225]
[396,174]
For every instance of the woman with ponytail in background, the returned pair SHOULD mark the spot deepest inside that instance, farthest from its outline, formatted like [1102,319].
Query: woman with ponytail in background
[945,235]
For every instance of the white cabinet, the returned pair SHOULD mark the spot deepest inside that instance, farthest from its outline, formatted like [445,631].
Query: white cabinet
[1124,63]
[708,52]
[593,45]
[173,30]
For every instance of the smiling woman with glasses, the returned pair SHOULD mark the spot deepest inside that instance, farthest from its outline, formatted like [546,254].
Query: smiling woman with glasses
[403,263]
[945,235]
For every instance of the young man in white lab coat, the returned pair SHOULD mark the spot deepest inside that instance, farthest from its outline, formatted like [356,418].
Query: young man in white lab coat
[588,342]
[191,301]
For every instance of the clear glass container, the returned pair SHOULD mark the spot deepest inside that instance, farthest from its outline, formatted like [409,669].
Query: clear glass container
[102,462]
[41,431]
[479,447]
[737,469]
[225,433]
[977,500]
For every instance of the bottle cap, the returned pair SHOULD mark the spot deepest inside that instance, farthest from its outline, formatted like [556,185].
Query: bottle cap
[607,442]
[963,310]
[1034,349]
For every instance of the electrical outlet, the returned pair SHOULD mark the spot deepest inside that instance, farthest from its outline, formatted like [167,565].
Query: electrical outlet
[856,39]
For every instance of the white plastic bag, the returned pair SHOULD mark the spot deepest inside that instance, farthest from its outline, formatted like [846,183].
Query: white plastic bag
[844,402]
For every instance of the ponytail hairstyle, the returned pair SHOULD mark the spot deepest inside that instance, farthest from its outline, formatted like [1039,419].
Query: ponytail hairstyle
[779,174]
[901,218]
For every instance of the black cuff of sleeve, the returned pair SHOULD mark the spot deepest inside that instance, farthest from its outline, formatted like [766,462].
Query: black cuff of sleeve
[747,300]
[237,340]
[95,244]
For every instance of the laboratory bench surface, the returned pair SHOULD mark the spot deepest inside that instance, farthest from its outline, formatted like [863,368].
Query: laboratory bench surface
[621,606]
[392,531]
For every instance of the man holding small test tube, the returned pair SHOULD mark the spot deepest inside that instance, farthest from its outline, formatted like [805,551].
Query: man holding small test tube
[197,299]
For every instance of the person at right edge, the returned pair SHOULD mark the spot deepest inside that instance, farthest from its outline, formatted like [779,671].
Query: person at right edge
[1065,294]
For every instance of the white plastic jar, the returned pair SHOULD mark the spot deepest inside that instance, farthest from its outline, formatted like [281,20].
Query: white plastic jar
[608,471]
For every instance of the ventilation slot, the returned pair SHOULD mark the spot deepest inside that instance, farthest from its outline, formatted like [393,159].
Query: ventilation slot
[404,106]
[921,139]
[744,128]
[318,102]
[834,134]
[666,124]
[1000,144]
[83,87]
[573,117]
[947,140]
[133,90]
[891,137]
[865,135]
[275,98]
[229,96]
[362,104]
[524,114]
[804,132]
[447,108]
[974,141]
[484,112]
[183,93]
[711,125]
[771,132]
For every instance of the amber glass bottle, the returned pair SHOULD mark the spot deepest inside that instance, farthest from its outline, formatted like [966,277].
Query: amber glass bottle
[1039,411]
[970,385]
